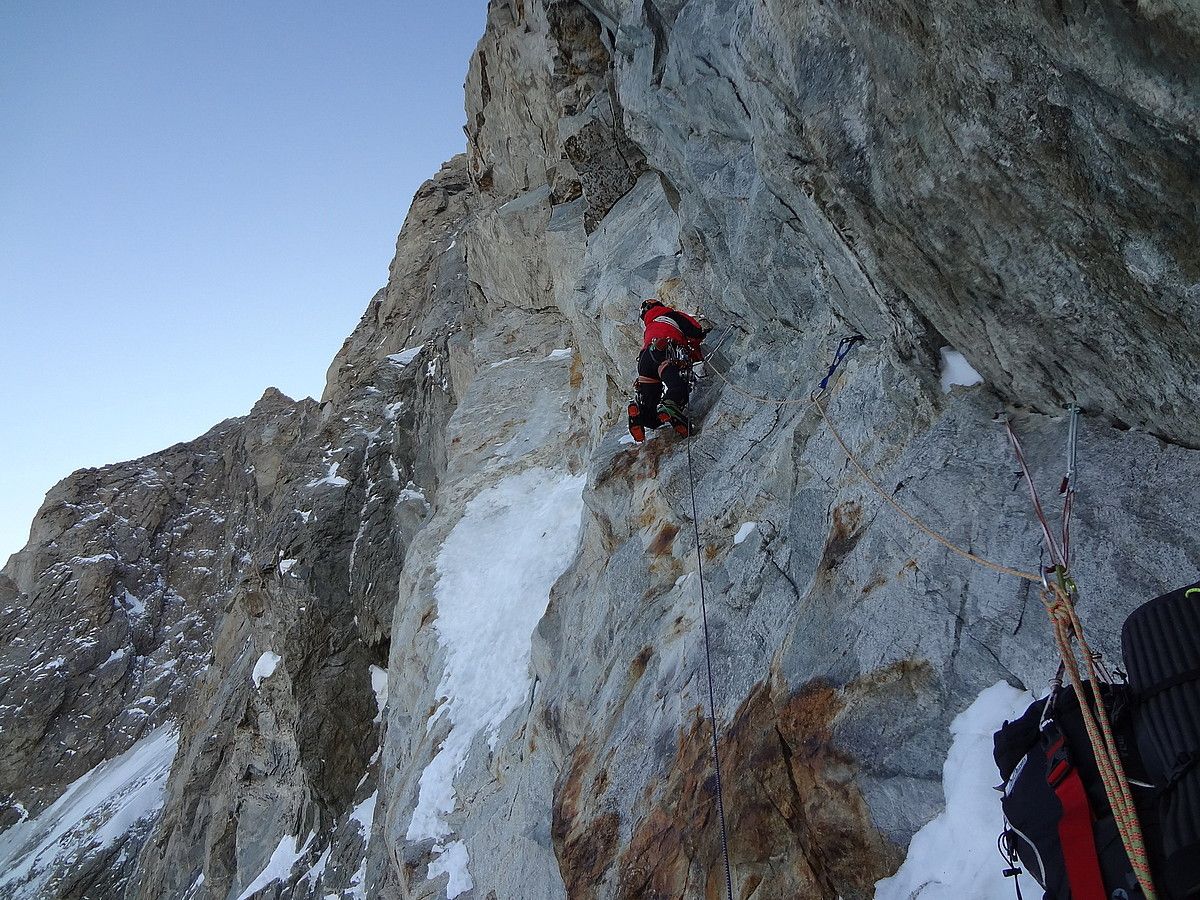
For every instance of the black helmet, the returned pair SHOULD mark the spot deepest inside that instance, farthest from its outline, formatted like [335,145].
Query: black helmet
[648,305]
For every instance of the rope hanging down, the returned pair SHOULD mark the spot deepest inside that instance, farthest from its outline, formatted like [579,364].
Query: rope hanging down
[712,702]
[1058,595]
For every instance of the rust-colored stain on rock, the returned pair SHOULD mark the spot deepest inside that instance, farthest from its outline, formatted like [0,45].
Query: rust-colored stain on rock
[844,536]
[585,846]
[663,540]
[798,826]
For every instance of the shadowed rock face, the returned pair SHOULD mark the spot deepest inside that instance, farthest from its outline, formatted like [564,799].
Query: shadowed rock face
[1017,182]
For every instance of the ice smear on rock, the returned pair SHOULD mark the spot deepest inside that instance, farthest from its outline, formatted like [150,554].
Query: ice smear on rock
[95,812]
[954,855]
[495,571]
[744,531]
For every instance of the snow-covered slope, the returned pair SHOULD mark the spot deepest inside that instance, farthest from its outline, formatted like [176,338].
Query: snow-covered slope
[1001,201]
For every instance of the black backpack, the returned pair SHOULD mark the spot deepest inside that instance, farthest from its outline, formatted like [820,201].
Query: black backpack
[1059,825]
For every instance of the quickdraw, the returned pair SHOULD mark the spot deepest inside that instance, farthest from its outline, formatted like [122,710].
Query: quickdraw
[843,348]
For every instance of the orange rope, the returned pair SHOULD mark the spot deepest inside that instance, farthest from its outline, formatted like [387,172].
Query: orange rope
[917,523]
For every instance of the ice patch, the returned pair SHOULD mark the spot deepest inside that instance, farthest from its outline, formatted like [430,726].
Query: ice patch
[285,565]
[279,866]
[404,357]
[495,571]
[956,370]
[744,531]
[563,353]
[96,811]
[265,667]
[954,855]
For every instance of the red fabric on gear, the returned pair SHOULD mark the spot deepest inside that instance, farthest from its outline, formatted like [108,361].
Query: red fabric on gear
[1075,829]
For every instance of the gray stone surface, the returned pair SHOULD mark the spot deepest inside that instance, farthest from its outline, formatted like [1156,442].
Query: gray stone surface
[1016,182]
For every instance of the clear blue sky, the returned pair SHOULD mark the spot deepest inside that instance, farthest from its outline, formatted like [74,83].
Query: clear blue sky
[197,200]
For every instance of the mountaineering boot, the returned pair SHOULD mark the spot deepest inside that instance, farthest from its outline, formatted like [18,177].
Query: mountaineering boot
[636,429]
[669,413]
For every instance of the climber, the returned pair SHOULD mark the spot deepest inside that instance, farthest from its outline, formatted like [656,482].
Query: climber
[671,345]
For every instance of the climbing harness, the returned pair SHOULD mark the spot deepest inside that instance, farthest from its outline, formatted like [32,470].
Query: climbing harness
[712,702]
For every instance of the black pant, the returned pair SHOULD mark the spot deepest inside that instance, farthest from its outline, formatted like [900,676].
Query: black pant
[661,365]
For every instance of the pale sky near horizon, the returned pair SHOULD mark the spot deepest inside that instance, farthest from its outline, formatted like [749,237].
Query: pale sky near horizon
[197,201]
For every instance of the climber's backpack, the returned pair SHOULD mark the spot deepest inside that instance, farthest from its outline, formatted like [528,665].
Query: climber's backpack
[1058,820]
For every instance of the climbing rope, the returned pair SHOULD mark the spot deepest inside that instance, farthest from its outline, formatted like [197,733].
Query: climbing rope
[814,399]
[916,523]
[1058,596]
[712,701]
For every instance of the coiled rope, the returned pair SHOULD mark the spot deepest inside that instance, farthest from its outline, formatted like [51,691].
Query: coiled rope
[712,702]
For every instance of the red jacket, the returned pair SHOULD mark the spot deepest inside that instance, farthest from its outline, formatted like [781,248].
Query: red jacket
[666,324]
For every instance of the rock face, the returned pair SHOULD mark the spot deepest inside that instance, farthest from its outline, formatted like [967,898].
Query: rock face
[440,634]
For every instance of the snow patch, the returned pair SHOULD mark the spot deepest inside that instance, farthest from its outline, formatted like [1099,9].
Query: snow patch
[956,370]
[495,571]
[379,684]
[364,813]
[562,353]
[279,866]
[318,868]
[504,362]
[134,608]
[404,357]
[954,855]
[452,860]
[265,667]
[331,477]
[285,565]
[94,813]
[744,531]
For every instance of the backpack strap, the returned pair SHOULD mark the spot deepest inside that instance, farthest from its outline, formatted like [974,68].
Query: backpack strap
[1075,825]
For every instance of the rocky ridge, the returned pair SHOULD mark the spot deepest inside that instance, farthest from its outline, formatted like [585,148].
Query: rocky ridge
[1019,184]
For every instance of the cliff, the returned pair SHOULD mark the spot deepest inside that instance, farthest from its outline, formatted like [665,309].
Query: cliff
[440,633]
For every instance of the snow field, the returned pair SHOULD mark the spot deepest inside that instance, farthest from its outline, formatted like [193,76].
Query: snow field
[495,570]
[954,857]
[95,812]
